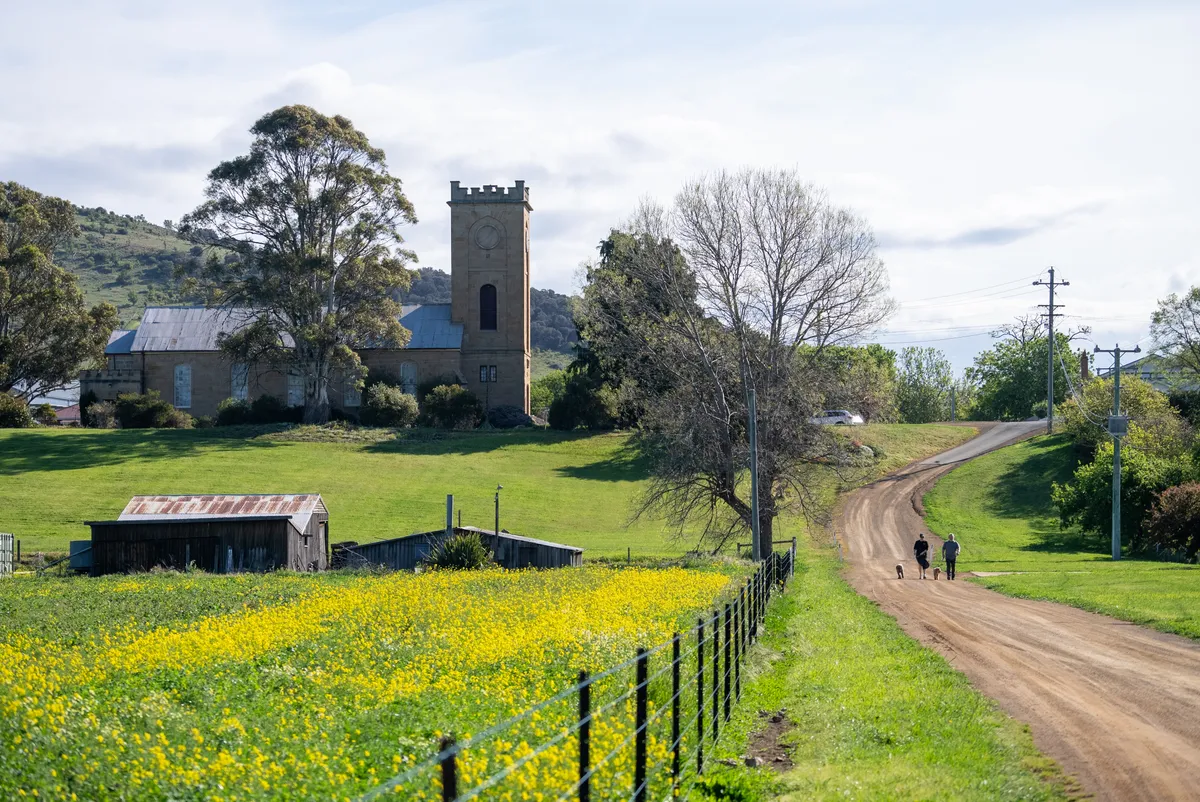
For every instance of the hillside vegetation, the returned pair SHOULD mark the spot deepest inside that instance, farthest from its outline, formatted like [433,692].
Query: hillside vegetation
[999,506]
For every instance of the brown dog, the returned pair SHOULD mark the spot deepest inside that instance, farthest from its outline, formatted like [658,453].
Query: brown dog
[936,573]
[899,571]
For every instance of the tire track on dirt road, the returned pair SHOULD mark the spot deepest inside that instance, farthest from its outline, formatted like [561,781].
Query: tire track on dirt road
[1116,704]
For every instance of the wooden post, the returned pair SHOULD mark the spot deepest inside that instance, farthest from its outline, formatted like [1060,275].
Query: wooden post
[449,771]
[675,702]
[585,737]
[641,727]
[700,696]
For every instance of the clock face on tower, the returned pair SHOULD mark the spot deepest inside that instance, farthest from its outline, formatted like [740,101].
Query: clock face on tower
[487,237]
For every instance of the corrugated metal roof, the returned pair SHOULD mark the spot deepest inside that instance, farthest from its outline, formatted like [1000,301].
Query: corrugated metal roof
[299,507]
[187,328]
[431,327]
[196,328]
[120,341]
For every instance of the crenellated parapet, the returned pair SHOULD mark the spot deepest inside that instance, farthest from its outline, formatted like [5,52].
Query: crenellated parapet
[489,193]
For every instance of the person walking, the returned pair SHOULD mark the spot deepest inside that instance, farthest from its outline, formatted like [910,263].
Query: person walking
[921,552]
[950,551]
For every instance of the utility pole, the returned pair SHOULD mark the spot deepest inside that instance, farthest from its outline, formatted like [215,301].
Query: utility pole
[1050,307]
[496,537]
[755,547]
[1118,426]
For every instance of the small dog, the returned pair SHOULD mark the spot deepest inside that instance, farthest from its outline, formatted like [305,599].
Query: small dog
[899,571]
[936,573]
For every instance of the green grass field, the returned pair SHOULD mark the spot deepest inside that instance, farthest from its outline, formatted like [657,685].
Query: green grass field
[876,715]
[999,507]
[574,489]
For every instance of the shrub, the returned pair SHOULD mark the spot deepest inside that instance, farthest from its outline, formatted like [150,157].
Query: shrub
[269,409]
[85,404]
[178,419]
[424,388]
[204,422]
[14,413]
[449,406]
[506,416]
[1087,498]
[102,415]
[143,411]
[463,551]
[546,390]
[582,405]
[44,414]
[1174,520]
[389,406]
[233,412]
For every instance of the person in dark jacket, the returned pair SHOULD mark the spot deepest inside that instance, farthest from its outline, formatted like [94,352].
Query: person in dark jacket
[921,552]
[950,551]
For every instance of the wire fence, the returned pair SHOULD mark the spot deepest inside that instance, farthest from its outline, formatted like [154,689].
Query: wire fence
[641,730]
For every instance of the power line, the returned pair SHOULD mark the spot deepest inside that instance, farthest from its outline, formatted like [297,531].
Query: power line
[989,298]
[980,289]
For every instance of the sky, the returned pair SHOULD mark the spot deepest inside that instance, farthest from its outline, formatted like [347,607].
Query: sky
[984,142]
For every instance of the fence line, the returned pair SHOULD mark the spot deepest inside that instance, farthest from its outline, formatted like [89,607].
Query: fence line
[717,646]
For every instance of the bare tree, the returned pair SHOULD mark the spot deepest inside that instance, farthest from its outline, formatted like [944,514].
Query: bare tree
[1030,327]
[1176,329]
[695,305]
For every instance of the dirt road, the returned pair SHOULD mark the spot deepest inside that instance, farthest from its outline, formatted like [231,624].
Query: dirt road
[1116,704]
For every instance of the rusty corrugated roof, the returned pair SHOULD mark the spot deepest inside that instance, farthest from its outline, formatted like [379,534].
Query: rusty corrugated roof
[299,507]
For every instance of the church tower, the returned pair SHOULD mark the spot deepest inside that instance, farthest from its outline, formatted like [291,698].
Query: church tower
[489,289]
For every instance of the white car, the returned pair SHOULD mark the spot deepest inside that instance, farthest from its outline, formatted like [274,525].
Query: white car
[837,417]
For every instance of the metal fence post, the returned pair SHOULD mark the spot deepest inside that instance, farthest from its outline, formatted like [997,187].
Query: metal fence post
[641,726]
[675,691]
[700,696]
[737,647]
[449,771]
[585,737]
[716,691]
[728,662]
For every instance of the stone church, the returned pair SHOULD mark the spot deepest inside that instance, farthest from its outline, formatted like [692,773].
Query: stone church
[480,339]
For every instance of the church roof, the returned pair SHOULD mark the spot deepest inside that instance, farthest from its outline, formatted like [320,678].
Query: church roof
[196,328]
[431,326]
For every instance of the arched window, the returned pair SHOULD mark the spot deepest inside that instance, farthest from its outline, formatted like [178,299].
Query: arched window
[487,307]
[408,377]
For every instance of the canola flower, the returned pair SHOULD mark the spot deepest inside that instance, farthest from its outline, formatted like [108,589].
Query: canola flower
[331,691]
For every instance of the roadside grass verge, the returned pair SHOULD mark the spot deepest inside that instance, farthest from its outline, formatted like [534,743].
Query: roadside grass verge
[999,507]
[569,488]
[875,714]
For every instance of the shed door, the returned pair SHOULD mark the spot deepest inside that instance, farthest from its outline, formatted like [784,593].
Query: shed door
[183,386]
[527,557]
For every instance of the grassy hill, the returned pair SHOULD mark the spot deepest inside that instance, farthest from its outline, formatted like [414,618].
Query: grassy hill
[999,507]
[127,261]
[570,488]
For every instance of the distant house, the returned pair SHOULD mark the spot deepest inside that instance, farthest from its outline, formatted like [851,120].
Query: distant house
[67,415]
[406,553]
[1165,376]
[220,534]
[481,339]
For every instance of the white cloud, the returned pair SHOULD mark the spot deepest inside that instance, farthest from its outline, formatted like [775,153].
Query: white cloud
[983,144]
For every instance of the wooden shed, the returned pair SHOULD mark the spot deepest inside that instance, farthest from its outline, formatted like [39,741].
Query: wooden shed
[220,534]
[509,550]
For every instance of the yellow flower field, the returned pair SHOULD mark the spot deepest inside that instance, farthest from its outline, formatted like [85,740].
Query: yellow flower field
[287,687]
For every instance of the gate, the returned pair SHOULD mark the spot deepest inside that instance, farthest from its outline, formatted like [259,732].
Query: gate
[6,554]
